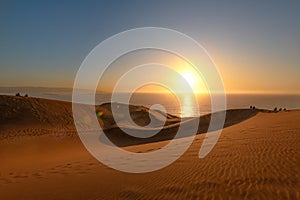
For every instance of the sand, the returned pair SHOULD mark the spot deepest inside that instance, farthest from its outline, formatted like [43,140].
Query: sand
[41,157]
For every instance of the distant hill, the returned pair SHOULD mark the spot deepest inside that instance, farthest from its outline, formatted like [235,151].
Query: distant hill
[33,89]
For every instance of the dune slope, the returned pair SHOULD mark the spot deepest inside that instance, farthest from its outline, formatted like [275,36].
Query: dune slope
[255,158]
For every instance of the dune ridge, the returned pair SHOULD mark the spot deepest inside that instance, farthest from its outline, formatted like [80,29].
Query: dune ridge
[41,116]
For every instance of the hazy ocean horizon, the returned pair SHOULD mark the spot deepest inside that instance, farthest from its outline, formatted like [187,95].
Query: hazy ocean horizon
[172,106]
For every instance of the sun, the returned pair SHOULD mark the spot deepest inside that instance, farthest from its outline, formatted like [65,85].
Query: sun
[192,77]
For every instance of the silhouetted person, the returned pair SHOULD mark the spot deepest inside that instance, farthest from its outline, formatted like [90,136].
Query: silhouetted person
[254,107]
[280,109]
[284,109]
[18,94]
[26,95]
[275,109]
[250,107]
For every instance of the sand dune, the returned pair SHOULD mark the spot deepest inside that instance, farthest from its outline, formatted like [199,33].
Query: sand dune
[257,157]
[35,116]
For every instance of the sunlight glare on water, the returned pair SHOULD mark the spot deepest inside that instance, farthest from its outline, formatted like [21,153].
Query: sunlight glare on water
[187,107]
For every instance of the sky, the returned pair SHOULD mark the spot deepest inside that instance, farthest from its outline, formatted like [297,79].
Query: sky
[255,44]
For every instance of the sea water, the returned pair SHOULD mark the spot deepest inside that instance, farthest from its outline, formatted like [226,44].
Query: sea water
[189,105]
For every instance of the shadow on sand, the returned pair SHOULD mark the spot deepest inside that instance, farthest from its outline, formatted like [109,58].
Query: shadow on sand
[121,139]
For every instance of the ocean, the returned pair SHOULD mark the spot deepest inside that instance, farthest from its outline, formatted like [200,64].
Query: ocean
[189,108]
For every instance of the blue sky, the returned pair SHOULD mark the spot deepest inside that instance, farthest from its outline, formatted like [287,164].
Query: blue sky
[42,43]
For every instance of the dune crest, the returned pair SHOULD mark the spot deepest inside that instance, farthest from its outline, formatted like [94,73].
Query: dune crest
[31,114]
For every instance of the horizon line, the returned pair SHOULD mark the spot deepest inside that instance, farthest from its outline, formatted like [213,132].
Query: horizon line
[156,92]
